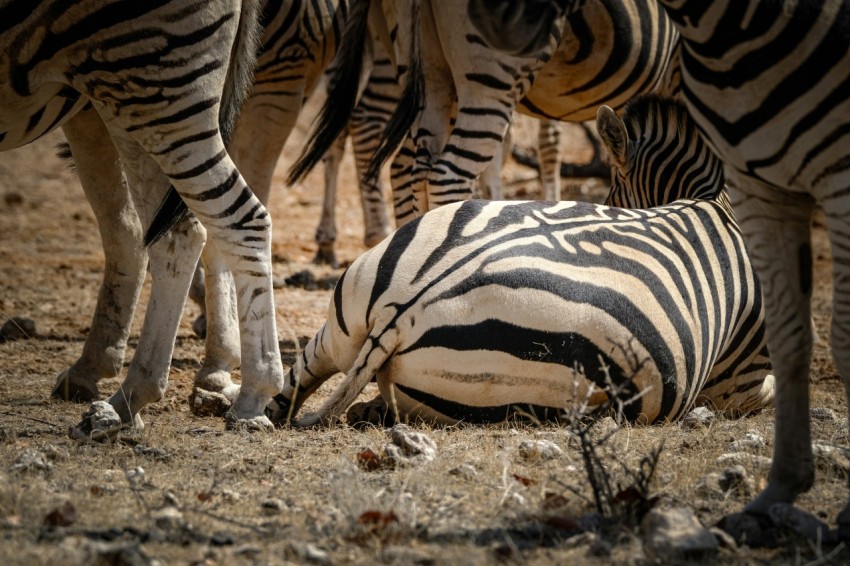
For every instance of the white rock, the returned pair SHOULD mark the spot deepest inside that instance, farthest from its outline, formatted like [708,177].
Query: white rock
[539,450]
[31,460]
[745,459]
[701,416]
[832,456]
[823,414]
[752,441]
[167,518]
[676,534]
[410,447]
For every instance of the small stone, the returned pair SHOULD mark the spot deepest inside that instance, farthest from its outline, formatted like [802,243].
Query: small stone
[168,518]
[63,516]
[123,553]
[539,450]
[136,477]
[709,485]
[272,506]
[205,403]
[308,552]
[676,533]
[745,459]
[831,457]
[752,441]
[823,414]
[100,423]
[786,516]
[699,417]
[405,555]
[466,471]
[409,447]
[17,328]
[31,460]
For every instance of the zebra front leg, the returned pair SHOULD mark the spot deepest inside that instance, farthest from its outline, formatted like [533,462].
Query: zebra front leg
[326,231]
[221,347]
[776,227]
[549,158]
[490,180]
[125,258]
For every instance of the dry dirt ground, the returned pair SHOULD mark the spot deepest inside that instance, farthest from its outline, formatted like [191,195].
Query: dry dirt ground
[209,496]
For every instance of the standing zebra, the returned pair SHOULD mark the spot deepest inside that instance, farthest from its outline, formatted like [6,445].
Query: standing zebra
[480,310]
[767,83]
[164,81]
[460,94]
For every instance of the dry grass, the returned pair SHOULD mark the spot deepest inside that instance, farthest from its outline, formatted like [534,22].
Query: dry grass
[300,496]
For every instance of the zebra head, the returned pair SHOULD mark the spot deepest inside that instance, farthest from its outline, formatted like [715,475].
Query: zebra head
[658,154]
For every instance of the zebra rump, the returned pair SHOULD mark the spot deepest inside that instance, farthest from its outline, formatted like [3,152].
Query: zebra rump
[478,311]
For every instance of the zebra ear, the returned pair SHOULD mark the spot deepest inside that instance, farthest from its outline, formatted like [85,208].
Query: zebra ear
[612,130]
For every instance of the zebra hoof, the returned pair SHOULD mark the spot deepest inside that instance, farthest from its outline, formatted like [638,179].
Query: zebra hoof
[326,256]
[370,413]
[69,389]
[279,410]
[260,423]
[101,424]
[205,403]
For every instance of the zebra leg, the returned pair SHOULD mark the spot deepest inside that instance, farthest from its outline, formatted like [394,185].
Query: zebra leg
[776,226]
[326,231]
[221,347]
[403,176]
[367,126]
[198,295]
[374,353]
[125,259]
[838,224]
[490,180]
[549,158]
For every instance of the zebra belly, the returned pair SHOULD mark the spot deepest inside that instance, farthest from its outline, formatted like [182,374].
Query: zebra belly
[538,354]
[23,120]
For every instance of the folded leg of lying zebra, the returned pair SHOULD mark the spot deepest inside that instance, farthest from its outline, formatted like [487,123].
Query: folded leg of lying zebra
[481,311]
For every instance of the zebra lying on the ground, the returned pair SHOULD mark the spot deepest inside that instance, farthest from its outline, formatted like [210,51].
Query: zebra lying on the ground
[460,94]
[164,83]
[767,82]
[480,310]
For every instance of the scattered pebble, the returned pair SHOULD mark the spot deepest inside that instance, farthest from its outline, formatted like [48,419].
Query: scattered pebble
[745,459]
[752,441]
[272,506]
[823,414]
[539,450]
[32,460]
[63,516]
[123,553]
[307,552]
[676,533]
[466,471]
[832,457]
[409,447]
[168,518]
[699,417]
[136,477]
[732,479]
[17,328]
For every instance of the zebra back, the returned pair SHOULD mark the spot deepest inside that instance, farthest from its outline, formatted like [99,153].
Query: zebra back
[658,155]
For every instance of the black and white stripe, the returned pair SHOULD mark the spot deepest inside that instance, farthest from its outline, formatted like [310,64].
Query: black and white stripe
[480,310]
[460,93]
[164,80]
[768,83]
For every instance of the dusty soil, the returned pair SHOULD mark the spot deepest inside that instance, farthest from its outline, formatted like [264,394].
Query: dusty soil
[300,496]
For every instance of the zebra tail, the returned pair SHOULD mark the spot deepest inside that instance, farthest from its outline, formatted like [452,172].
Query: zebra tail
[240,76]
[342,92]
[408,108]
